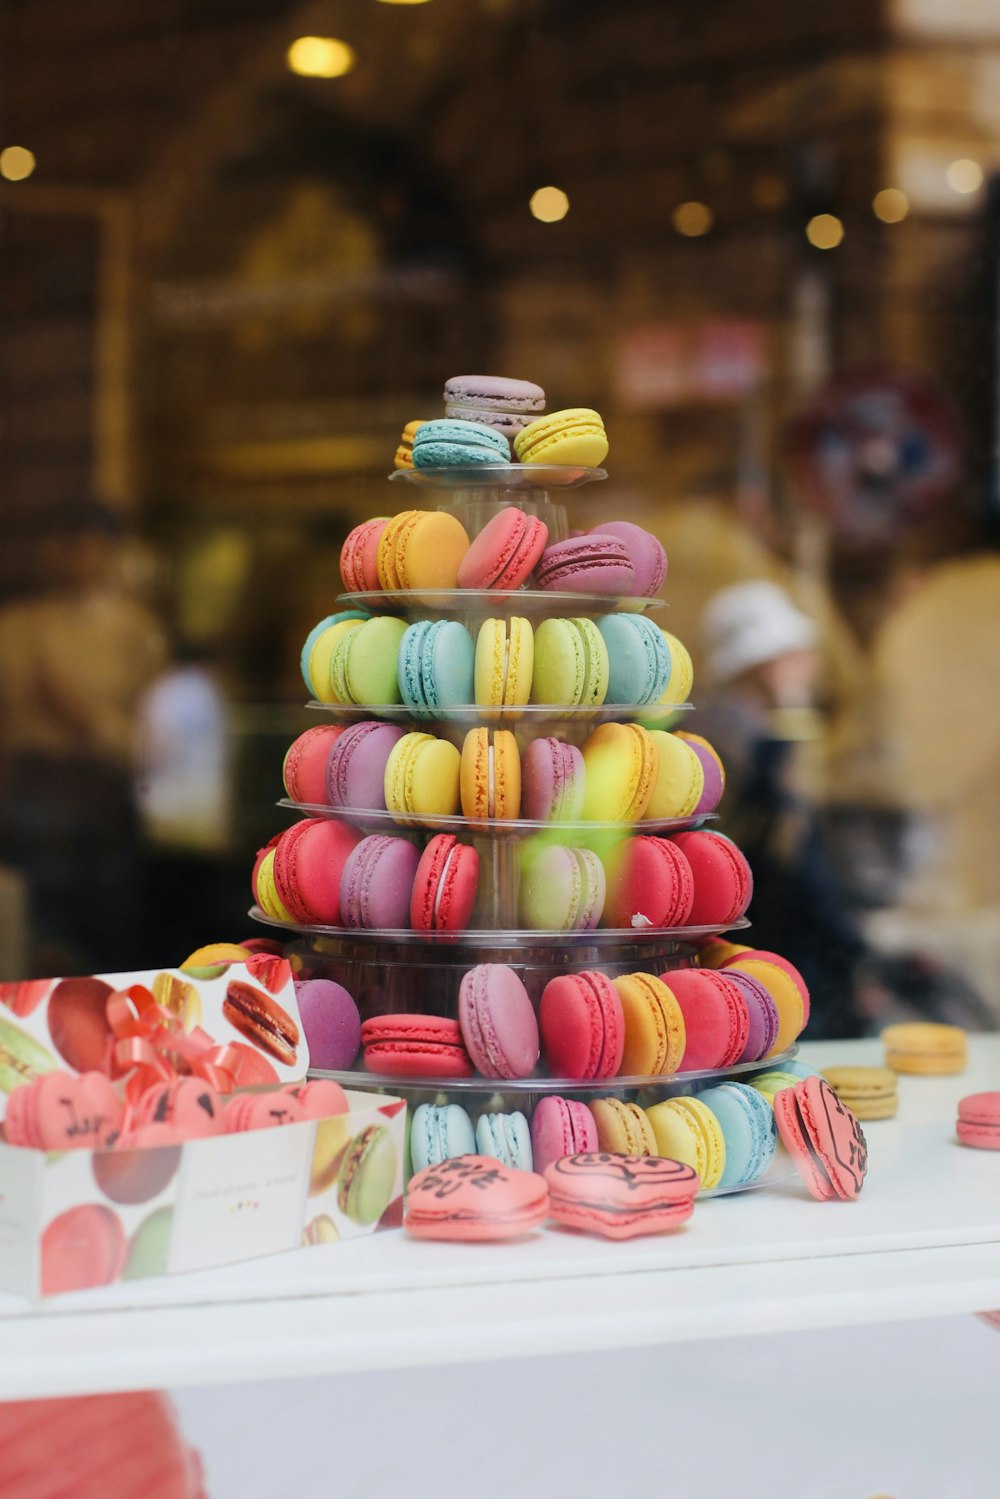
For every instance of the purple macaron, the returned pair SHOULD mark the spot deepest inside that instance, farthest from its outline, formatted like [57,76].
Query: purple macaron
[552,782]
[331,1024]
[763,1013]
[715,776]
[503,404]
[498,1021]
[355,771]
[587,564]
[377,882]
[648,557]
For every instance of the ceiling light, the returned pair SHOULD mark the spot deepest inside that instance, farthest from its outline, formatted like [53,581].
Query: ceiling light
[890,205]
[825,231]
[549,204]
[693,219]
[16,163]
[320,57]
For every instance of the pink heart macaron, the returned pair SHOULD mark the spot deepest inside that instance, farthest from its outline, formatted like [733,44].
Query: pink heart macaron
[473,1197]
[620,1196]
[498,1021]
[823,1138]
[62,1111]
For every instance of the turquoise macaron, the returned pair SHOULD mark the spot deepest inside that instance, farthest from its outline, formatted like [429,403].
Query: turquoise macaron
[638,657]
[747,1123]
[505,1137]
[438,1132]
[454,443]
[435,666]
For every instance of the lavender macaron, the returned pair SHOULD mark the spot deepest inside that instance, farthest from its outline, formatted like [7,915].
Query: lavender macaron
[763,1013]
[355,776]
[331,1024]
[377,882]
[506,405]
[648,556]
[587,564]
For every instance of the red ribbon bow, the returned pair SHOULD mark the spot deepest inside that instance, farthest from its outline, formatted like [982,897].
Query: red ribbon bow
[151,1045]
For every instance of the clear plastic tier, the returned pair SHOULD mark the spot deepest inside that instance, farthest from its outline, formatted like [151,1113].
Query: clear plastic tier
[507,940]
[492,827]
[487,603]
[534,716]
[503,476]
[505,1094]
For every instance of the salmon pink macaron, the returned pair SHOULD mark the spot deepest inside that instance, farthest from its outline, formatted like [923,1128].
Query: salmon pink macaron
[444,886]
[191,1107]
[620,1196]
[415,1046]
[304,770]
[582,1025]
[723,883]
[473,1197]
[979,1121]
[498,1021]
[823,1138]
[560,1127]
[505,552]
[63,1111]
[268,1110]
[358,554]
[309,862]
[716,1019]
[321,1098]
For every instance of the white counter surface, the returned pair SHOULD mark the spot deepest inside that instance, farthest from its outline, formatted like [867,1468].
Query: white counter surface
[923,1240]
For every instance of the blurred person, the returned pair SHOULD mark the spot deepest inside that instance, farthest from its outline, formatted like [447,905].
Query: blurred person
[73,661]
[761,653]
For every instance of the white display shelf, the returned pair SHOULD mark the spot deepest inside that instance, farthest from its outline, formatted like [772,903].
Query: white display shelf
[922,1240]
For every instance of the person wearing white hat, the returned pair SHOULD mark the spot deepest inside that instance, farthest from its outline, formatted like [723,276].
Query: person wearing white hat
[755,628]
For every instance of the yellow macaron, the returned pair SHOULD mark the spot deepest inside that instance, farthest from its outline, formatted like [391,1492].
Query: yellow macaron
[575,436]
[869,1092]
[404,452]
[422,777]
[680,778]
[622,1128]
[491,774]
[505,661]
[654,1026]
[686,1130]
[922,1047]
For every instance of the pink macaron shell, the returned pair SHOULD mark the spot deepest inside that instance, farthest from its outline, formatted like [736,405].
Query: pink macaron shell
[358,554]
[762,1013]
[498,1021]
[978,1121]
[823,1137]
[551,781]
[649,884]
[444,886]
[304,770]
[649,558]
[723,883]
[716,1021]
[377,882]
[560,1127]
[587,564]
[64,1111]
[474,1198]
[411,1045]
[620,1196]
[247,1111]
[505,552]
[355,772]
[308,864]
[321,1098]
[190,1106]
[582,1026]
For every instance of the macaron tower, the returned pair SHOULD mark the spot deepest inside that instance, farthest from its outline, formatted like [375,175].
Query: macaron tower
[505,850]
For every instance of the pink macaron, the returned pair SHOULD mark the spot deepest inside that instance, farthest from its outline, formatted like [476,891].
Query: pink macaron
[716,1019]
[649,560]
[505,552]
[979,1121]
[552,781]
[268,1110]
[304,770]
[649,884]
[582,1025]
[587,564]
[620,1196]
[498,1021]
[823,1138]
[377,881]
[723,883]
[560,1127]
[189,1105]
[355,771]
[321,1098]
[472,1198]
[358,554]
[63,1111]
[308,865]
[444,886]
[407,1045]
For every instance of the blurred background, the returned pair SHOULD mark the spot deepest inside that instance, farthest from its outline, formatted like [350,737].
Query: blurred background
[242,242]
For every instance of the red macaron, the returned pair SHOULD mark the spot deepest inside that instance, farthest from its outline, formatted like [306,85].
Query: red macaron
[723,883]
[716,1019]
[309,861]
[582,1026]
[649,884]
[415,1046]
[444,886]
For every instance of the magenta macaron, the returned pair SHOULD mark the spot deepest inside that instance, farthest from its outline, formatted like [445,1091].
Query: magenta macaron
[331,1024]
[377,881]
[587,564]
[444,886]
[762,1013]
[582,1025]
[560,1127]
[498,1021]
[358,554]
[355,772]
[649,560]
[505,552]
[306,760]
[552,781]
[406,1045]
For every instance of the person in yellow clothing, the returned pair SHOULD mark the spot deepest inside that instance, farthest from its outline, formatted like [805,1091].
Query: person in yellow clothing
[73,662]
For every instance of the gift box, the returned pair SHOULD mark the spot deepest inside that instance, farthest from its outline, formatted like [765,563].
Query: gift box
[80,1218]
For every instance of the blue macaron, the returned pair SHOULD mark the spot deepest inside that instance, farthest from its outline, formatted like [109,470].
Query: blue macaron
[638,658]
[507,1138]
[440,1131]
[747,1123]
[452,443]
[435,667]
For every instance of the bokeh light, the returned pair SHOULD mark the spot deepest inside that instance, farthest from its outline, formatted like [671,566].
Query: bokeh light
[549,204]
[693,219]
[891,205]
[320,57]
[825,231]
[16,163]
